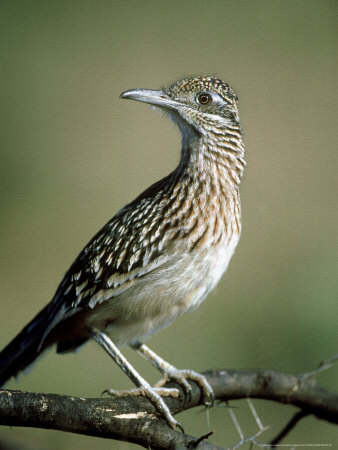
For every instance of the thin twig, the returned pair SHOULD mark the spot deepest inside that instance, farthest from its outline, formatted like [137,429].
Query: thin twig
[195,443]
[288,427]
[323,365]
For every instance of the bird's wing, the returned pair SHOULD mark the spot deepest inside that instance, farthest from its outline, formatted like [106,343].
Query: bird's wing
[126,249]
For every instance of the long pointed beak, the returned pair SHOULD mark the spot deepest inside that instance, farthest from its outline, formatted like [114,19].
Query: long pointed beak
[158,98]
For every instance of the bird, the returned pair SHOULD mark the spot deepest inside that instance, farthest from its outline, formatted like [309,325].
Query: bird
[161,254]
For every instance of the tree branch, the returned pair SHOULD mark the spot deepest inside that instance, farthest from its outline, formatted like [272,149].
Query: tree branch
[301,391]
[134,419]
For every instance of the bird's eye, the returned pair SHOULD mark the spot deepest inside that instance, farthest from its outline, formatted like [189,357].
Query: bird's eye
[204,98]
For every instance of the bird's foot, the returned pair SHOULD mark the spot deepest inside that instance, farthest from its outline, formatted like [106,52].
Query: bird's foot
[143,387]
[181,377]
[154,395]
[141,392]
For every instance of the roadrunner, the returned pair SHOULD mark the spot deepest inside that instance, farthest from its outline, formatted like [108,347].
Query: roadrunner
[161,254]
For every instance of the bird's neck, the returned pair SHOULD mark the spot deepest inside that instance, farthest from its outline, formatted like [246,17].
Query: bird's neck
[211,158]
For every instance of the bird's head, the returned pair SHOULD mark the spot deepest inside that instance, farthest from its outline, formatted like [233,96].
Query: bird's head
[200,106]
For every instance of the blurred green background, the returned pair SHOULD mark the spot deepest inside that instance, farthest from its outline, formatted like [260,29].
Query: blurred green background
[72,154]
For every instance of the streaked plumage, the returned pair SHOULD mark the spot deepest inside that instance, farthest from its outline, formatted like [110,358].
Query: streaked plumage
[161,254]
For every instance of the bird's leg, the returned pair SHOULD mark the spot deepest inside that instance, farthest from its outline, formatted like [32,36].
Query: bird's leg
[180,376]
[144,388]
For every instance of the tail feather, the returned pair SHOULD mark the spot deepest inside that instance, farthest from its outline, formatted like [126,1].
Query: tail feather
[23,349]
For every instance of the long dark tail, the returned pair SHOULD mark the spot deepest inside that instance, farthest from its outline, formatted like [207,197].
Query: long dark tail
[24,348]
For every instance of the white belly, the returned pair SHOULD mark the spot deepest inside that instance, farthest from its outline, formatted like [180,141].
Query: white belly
[157,299]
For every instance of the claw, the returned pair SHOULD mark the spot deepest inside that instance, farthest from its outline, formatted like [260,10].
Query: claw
[207,392]
[181,377]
